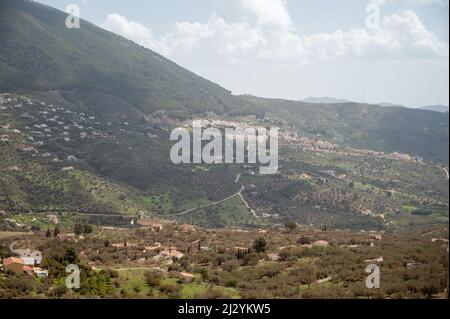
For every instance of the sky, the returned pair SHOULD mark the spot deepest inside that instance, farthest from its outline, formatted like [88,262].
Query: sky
[394,51]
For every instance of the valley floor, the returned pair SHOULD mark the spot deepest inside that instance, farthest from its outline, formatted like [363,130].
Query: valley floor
[166,260]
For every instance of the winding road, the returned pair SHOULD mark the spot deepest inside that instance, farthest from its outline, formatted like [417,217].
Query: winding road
[220,202]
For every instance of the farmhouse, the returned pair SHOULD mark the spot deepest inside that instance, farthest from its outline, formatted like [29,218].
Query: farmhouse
[28,270]
[17,266]
[40,273]
[29,257]
[13,264]
[169,253]
[151,225]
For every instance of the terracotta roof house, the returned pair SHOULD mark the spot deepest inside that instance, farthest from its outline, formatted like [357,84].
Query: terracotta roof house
[13,264]
[28,270]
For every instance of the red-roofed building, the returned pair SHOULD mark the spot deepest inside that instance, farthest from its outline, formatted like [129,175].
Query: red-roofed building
[28,270]
[13,264]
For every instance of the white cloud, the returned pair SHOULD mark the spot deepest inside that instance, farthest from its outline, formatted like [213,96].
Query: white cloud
[400,36]
[136,32]
[412,2]
[263,13]
[268,12]
[262,31]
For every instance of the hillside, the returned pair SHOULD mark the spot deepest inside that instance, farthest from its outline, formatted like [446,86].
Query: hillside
[389,129]
[324,100]
[186,262]
[95,69]
[104,106]
[56,159]
[43,183]
[436,108]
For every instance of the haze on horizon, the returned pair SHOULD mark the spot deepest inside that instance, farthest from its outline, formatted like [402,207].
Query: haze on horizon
[295,49]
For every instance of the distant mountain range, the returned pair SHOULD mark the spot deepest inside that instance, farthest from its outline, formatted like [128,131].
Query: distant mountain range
[331,100]
[387,104]
[436,108]
[324,100]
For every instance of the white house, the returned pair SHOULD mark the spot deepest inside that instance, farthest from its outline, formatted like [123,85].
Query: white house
[40,273]
[30,257]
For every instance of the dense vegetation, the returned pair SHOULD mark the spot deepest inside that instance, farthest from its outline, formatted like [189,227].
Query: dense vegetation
[390,129]
[281,263]
[55,159]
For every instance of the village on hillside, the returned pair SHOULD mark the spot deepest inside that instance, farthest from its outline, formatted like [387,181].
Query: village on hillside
[163,259]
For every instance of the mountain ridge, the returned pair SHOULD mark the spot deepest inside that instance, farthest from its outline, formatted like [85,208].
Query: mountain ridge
[324,100]
[115,79]
[90,114]
[436,108]
[82,62]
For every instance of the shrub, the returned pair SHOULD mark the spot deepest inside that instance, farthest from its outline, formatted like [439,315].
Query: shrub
[152,278]
[260,245]
[168,288]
